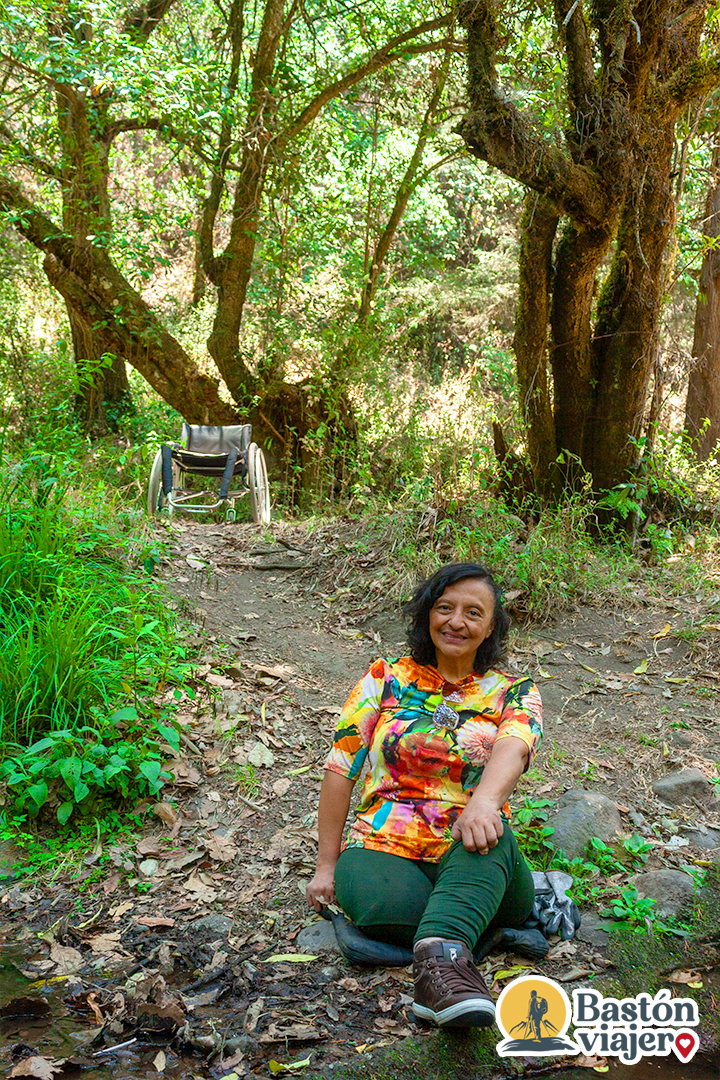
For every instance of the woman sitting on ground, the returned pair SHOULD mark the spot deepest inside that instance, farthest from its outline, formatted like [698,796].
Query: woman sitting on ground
[430,860]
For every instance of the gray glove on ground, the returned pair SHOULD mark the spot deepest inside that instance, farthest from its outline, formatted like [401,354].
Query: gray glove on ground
[553,911]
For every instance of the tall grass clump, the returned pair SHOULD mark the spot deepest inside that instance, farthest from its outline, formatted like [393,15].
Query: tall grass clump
[86,642]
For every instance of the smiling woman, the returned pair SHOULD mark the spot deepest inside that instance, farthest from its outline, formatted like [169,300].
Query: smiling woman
[459,622]
[430,859]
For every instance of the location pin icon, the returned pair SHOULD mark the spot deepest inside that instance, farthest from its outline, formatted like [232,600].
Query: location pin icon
[685,1045]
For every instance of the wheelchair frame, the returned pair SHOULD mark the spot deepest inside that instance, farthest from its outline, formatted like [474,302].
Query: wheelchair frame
[225,453]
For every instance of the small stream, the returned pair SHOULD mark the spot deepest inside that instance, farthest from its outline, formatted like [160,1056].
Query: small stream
[61,1034]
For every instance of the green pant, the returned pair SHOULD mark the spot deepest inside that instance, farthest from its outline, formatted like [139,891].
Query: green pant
[402,900]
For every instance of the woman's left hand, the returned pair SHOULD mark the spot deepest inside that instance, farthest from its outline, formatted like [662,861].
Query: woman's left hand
[479,826]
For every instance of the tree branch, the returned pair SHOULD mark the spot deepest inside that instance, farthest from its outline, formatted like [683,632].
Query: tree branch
[497,132]
[124,323]
[236,29]
[405,190]
[697,78]
[389,53]
[29,156]
[582,86]
[142,20]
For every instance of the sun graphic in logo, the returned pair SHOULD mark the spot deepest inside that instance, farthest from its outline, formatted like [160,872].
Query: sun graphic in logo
[533,1014]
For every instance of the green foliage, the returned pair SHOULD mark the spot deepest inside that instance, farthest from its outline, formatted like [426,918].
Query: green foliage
[83,768]
[46,855]
[668,492]
[532,833]
[603,857]
[77,625]
[630,907]
[637,848]
[246,779]
[549,555]
[83,632]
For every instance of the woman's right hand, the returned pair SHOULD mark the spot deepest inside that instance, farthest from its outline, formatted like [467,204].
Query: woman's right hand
[321,890]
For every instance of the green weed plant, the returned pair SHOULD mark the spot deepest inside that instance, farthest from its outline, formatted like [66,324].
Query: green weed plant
[83,632]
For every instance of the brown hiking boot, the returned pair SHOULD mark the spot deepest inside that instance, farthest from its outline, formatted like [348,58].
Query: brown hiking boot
[449,989]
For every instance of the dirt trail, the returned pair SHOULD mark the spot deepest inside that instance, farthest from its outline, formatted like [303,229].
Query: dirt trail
[192,911]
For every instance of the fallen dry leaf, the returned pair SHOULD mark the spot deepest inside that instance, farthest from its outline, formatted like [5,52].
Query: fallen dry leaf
[92,1004]
[160,1060]
[195,562]
[220,848]
[296,1032]
[106,944]
[184,775]
[281,786]
[149,845]
[586,1062]
[213,679]
[167,814]
[40,1067]
[154,998]
[253,1014]
[261,755]
[680,976]
[68,960]
[111,884]
[118,912]
[276,672]
[199,885]
[542,648]
[181,861]
[154,920]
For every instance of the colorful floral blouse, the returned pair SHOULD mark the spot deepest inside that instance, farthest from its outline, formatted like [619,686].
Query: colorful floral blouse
[422,771]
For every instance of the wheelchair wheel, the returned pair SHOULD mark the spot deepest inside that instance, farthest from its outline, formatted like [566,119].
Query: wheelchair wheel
[258,485]
[155,497]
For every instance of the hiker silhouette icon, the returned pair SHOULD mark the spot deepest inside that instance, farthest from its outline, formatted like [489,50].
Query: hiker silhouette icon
[533,1013]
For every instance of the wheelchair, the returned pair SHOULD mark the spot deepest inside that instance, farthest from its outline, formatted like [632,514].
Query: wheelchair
[221,453]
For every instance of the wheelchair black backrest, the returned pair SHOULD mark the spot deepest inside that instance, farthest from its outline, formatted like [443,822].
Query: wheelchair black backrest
[203,439]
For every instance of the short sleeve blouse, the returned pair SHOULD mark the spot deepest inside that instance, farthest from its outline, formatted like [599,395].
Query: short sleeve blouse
[422,775]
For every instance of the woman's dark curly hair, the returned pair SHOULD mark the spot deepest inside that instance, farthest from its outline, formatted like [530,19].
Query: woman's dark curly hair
[417,611]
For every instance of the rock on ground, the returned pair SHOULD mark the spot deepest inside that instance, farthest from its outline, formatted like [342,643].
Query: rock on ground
[594,930]
[685,785]
[214,924]
[672,890]
[580,816]
[702,837]
[318,937]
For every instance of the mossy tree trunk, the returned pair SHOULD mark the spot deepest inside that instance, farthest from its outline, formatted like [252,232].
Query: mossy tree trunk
[702,407]
[631,70]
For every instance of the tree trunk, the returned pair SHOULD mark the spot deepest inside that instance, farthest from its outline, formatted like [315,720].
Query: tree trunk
[125,326]
[577,260]
[104,391]
[631,71]
[538,227]
[627,325]
[702,407]
[103,395]
[231,271]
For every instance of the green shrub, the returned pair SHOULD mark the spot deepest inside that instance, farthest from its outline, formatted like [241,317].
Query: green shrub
[83,632]
[79,627]
[86,767]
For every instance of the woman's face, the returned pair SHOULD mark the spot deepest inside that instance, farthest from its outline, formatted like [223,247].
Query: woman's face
[461,619]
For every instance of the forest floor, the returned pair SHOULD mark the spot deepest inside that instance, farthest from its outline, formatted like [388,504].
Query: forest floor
[179,937]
